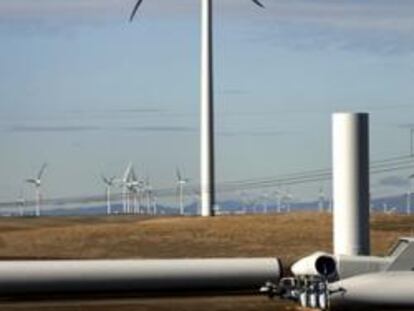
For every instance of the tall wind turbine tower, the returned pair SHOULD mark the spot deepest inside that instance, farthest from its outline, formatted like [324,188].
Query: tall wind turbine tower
[37,182]
[207,182]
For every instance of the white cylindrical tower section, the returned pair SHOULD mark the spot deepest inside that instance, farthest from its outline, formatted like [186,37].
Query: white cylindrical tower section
[351,184]
[207,111]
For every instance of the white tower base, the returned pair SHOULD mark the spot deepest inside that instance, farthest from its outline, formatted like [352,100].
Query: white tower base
[351,184]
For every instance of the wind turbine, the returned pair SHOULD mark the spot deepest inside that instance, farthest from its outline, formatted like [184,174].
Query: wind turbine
[196,200]
[123,183]
[37,182]
[180,188]
[21,202]
[109,182]
[148,193]
[278,195]
[140,193]
[265,202]
[321,200]
[207,184]
[125,196]
[154,203]
[244,201]
[409,194]
[134,188]
[287,198]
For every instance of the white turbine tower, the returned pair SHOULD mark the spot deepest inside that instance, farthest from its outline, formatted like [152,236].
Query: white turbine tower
[140,192]
[147,189]
[21,202]
[154,203]
[180,190]
[244,202]
[196,200]
[109,182]
[288,198]
[265,202]
[278,195]
[134,189]
[409,194]
[321,200]
[207,184]
[37,182]
[123,183]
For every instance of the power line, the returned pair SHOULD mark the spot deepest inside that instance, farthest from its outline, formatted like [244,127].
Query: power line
[304,177]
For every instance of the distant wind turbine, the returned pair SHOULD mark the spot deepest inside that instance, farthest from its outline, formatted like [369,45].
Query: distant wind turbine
[409,194]
[154,202]
[196,199]
[109,182]
[37,182]
[243,202]
[180,188]
[321,200]
[123,183]
[21,202]
[147,189]
[265,202]
[288,197]
[134,190]
[278,195]
[207,184]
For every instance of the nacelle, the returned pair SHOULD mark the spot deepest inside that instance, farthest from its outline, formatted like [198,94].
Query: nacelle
[318,264]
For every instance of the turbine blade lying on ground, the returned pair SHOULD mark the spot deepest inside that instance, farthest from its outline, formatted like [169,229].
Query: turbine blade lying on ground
[134,11]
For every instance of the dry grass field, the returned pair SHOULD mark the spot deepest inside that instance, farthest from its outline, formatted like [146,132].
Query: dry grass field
[288,236]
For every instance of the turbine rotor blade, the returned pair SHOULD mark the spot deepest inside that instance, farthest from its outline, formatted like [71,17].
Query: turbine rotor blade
[105,180]
[42,170]
[257,2]
[134,11]
[178,174]
[133,176]
[127,172]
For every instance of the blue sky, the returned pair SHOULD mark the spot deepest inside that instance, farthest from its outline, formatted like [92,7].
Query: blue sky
[87,92]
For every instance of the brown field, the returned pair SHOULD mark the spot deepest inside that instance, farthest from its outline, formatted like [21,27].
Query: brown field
[288,236]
